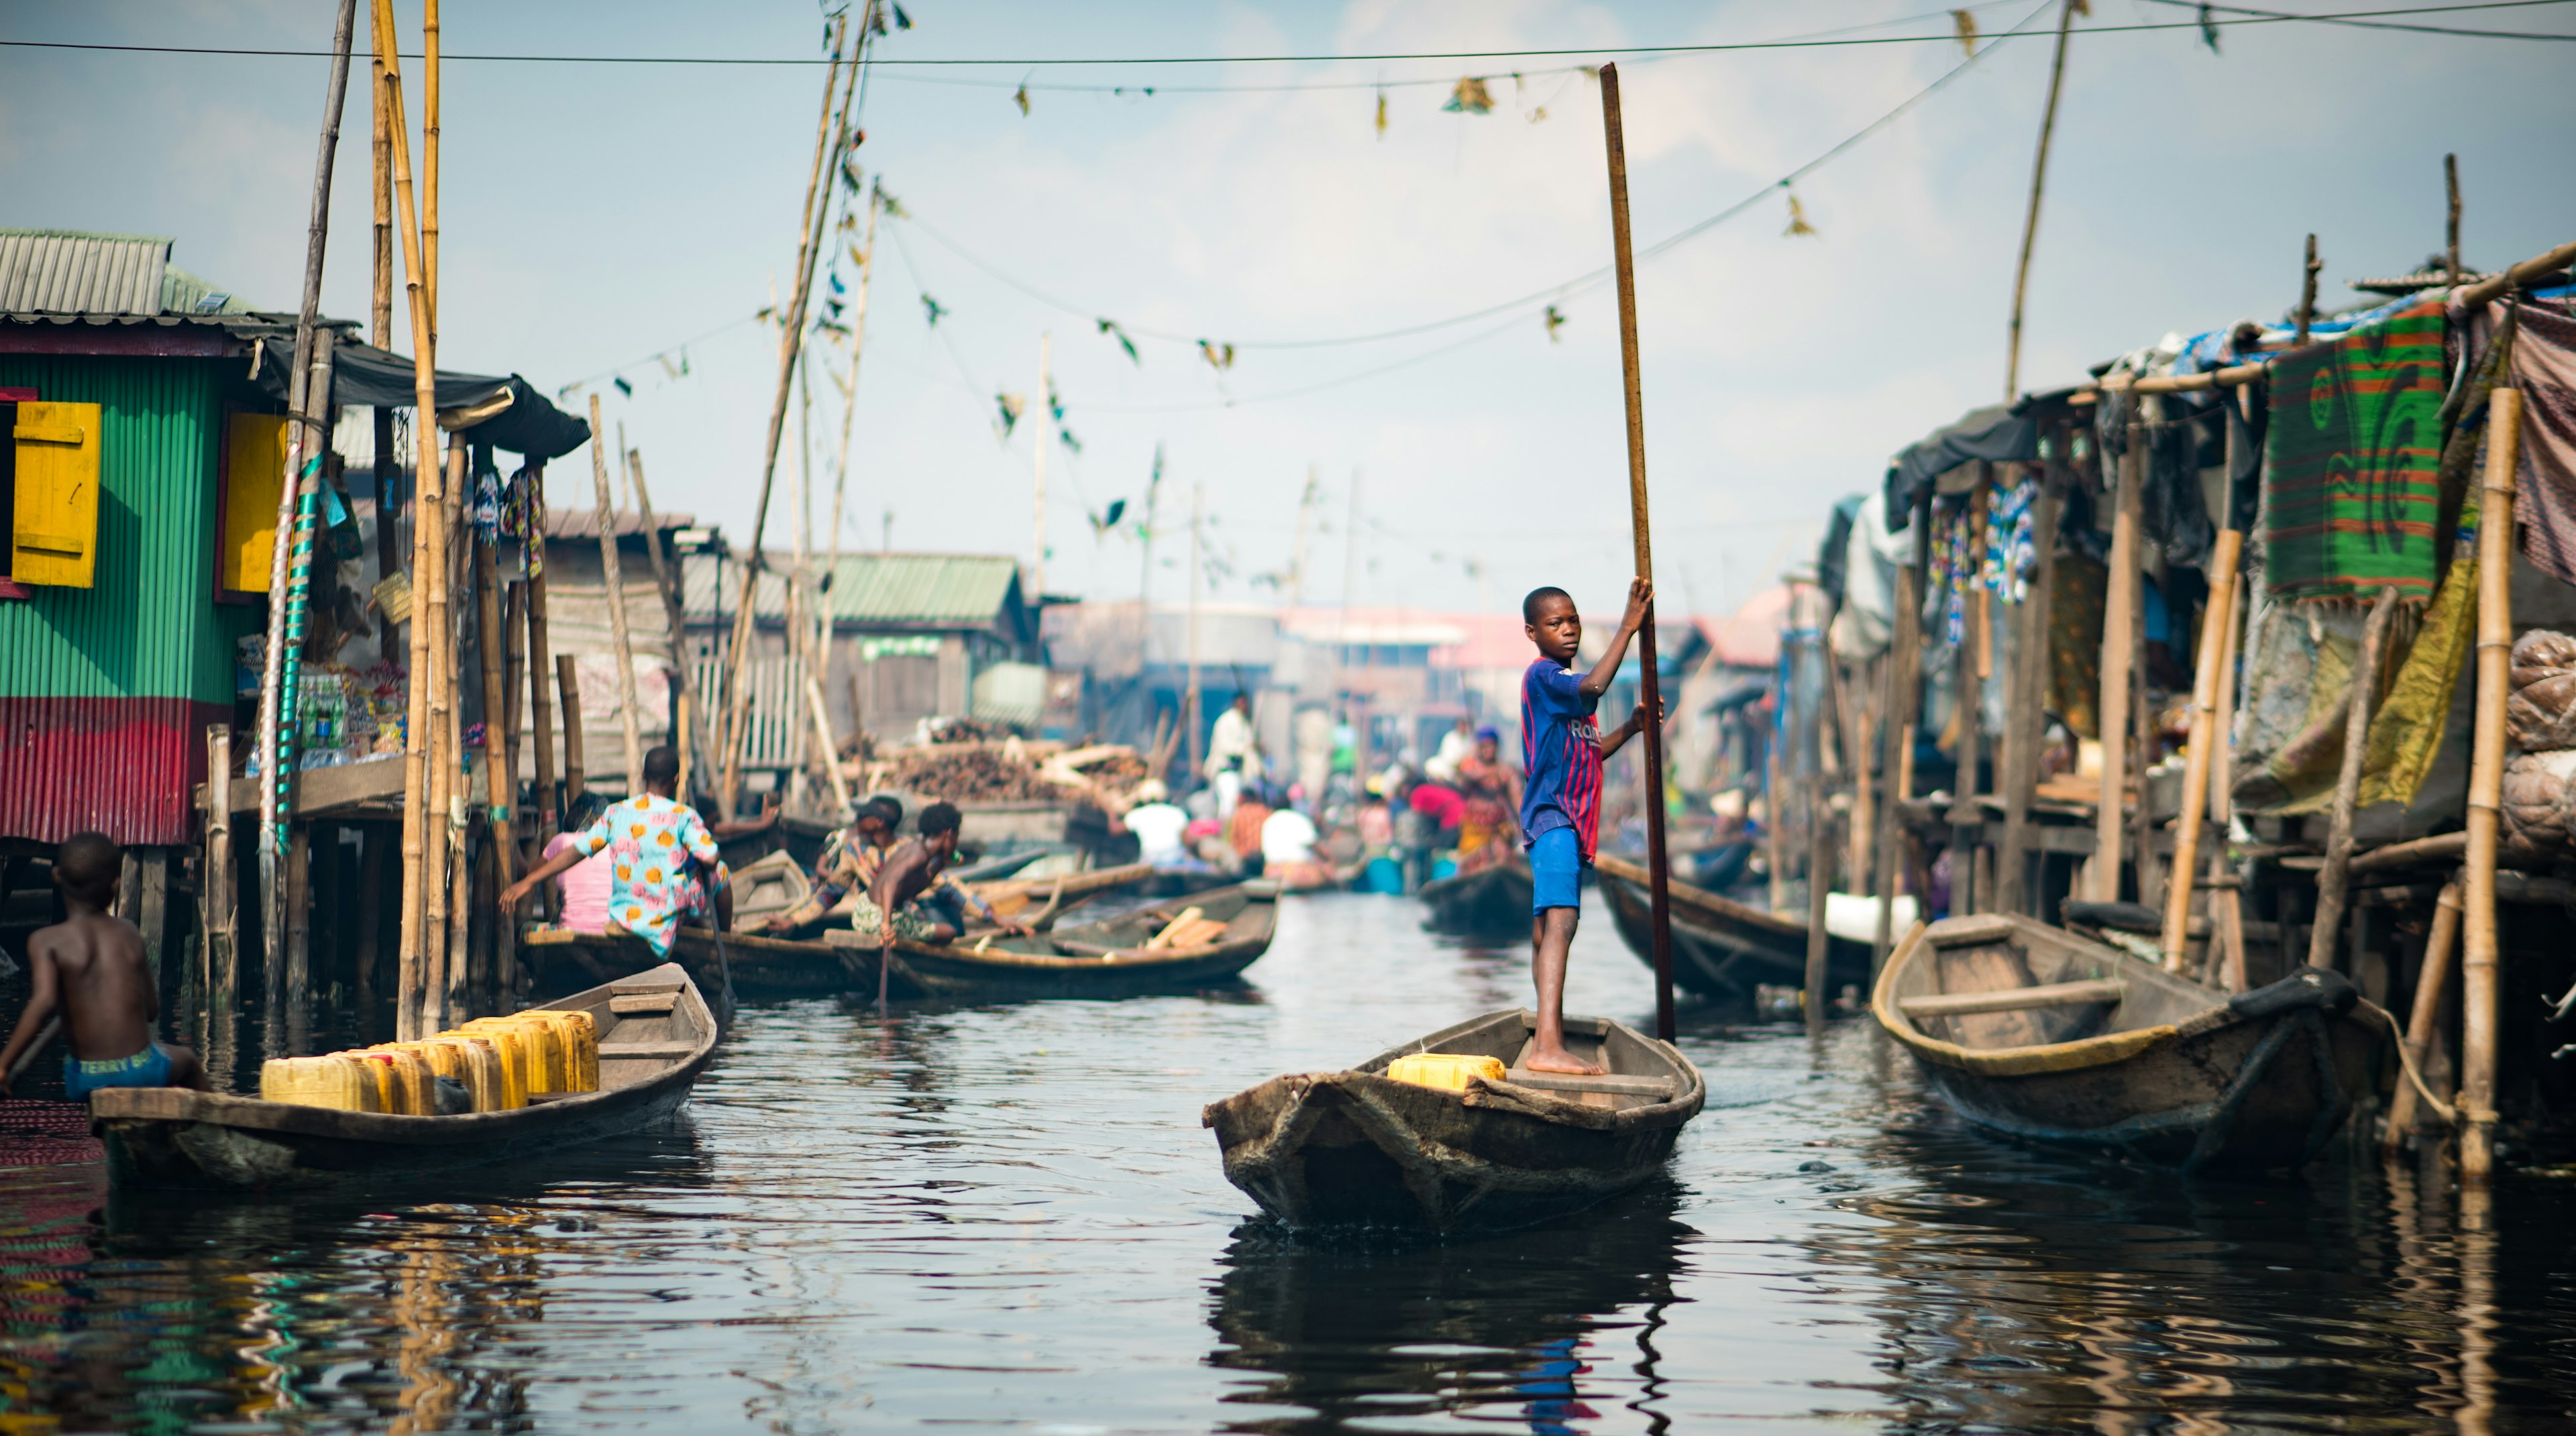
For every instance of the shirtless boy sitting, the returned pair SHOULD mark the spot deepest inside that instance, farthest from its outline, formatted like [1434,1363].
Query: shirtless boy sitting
[91,968]
[892,906]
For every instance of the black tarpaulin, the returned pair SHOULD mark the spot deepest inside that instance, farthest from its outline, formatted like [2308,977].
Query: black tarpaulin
[1997,434]
[365,376]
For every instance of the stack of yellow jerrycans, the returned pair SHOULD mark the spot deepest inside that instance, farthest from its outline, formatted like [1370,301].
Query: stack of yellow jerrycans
[500,1062]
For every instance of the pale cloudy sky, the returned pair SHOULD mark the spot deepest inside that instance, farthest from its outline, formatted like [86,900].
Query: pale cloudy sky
[594,214]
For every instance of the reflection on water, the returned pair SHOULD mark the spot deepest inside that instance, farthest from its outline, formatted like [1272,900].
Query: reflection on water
[1502,1327]
[1008,1216]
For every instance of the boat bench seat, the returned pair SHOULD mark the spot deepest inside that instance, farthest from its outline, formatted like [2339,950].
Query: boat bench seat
[1658,1088]
[2017,999]
[615,1051]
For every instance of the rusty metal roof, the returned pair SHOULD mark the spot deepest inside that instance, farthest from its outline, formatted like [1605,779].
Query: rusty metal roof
[57,271]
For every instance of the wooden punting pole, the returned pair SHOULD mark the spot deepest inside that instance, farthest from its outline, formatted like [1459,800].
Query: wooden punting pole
[1660,895]
[2119,624]
[1903,703]
[2480,990]
[628,728]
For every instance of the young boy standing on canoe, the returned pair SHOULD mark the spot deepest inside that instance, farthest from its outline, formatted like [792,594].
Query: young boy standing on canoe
[91,968]
[1562,748]
[667,866]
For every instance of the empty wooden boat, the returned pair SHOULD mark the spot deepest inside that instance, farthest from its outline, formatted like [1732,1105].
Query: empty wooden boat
[1721,947]
[1114,957]
[2037,1033]
[656,1034]
[1361,1149]
[1491,902]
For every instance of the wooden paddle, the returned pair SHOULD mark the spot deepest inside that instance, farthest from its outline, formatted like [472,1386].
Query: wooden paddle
[1659,898]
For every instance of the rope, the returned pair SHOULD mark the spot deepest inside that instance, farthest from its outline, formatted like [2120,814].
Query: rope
[2406,1061]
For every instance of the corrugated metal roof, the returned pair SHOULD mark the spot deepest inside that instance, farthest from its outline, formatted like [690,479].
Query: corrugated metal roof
[894,590]
[54,271]
[584,523]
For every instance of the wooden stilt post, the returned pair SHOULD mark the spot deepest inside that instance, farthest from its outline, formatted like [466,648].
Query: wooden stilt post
[1904,679]
[1659,894]
[1820,864]
[2226,903]
[568,687]
[2430,981]
[2335,879]
[550,804]
[152,910]
[368,948]
[627,717]
[2204,740]
[218,891]
[2026,697]
[2119,635]
[501,781]
[2481,991]
[297,988]
[1967,675]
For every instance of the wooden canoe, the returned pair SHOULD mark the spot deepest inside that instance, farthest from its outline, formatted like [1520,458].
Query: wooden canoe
[1491,902]
[1359,1149]
[649,1057]
[2036,1033]
[1106,959]
[1721,947]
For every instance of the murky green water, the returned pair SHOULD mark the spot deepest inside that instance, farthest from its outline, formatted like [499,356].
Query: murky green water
[1008,1218]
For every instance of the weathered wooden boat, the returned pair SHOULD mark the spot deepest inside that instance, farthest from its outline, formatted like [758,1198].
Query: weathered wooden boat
[1721,947]
[1105,959]
[1360,1149]
[1491,902]
[2035,1033]
[656,1035]
[763,966]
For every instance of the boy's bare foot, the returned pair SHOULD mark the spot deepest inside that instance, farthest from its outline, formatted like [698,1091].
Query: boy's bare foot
[1558,1060]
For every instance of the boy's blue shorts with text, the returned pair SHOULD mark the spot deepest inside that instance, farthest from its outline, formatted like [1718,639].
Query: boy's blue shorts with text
[147,1068]
[1556,871]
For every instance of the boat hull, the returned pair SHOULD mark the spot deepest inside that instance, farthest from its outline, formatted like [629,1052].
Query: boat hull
[1490,902]
[171,1138]
[1356,1149]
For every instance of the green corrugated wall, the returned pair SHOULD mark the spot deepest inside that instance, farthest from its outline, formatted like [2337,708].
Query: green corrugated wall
[150,627]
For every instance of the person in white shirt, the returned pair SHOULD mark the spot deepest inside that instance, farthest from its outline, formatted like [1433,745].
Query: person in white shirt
[1288,851]
[1158,826]
[1234,754]
[1456,746]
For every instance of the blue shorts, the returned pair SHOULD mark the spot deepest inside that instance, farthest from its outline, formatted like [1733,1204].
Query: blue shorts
[1556,871]
[147,1068]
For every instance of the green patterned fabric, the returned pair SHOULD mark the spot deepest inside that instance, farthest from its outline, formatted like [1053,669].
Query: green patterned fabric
[2352,463]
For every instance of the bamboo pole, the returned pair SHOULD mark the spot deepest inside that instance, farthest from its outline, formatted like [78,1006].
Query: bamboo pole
[429,132]
[1820,861]
[823,744]
[2334,881]
[442,922]
[298,984]
[2214,627]
[424,860]
[2119,621]
[2038,180]
[1625,264]
[2480,997]
[850,395]
[1857,726]
[308,433]
[381,312]
[829,139]
[568,688]
[608,566]
[2423,1019]
[2226,901]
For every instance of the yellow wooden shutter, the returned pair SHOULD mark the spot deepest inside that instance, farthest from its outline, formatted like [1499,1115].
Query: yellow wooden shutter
[54,534]
[254,467]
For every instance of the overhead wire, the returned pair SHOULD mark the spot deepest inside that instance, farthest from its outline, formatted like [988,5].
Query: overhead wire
[1723,47]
